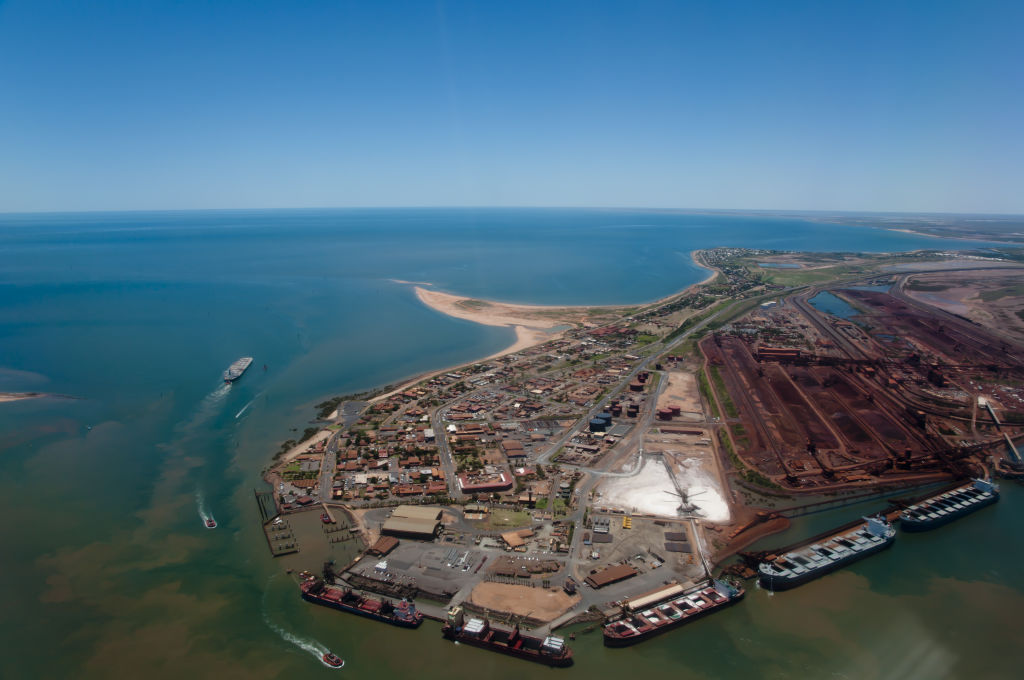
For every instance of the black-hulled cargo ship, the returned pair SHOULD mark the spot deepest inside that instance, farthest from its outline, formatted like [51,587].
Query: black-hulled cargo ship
[668,608]
[550,650]
[799,566]
[946,507]
[403,614]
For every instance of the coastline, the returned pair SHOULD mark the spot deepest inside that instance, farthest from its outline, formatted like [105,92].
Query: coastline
[528,321]
[525,338]
[993,238]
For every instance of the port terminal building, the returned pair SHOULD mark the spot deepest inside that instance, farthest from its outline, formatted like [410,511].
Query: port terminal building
[413,521]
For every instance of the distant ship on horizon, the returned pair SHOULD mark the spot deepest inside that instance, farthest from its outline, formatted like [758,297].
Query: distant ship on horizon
[236,369]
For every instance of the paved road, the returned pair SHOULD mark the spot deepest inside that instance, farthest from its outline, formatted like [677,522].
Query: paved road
[444,451]
[328,466]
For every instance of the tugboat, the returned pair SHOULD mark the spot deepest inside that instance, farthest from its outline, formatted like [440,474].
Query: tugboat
[332,660]
[550,650]
[211,523]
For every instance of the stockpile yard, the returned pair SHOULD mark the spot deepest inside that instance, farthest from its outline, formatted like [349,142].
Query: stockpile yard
[878,388]
[994,298]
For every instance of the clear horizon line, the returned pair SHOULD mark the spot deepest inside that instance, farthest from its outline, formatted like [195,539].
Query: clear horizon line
[819,211]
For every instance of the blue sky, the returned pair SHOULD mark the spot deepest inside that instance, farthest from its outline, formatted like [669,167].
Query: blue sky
[888,106]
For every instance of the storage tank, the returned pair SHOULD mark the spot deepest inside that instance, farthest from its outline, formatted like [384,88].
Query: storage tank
[597,425]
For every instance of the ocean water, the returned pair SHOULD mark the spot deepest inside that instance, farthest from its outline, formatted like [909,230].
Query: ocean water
[108,571]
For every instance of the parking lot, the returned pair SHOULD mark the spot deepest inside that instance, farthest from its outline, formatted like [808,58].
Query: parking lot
[434,568]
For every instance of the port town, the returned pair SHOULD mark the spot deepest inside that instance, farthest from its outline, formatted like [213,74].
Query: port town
[611,470]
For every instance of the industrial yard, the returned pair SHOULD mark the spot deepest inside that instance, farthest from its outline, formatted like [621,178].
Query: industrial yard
[636,454]
[893,392]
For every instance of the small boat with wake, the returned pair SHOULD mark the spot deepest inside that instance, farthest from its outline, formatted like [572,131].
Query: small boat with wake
[332,660]
[211,523]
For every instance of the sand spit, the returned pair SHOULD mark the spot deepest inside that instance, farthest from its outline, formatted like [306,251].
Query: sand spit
[533,324]
[19,396]
[500,313]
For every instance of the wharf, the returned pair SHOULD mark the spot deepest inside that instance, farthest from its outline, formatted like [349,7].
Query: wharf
[890,515]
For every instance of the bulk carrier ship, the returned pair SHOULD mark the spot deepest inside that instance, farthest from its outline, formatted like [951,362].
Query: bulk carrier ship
[799,566]
[550,650]
[667,608]
[946,507]
[403,614]
[236,369]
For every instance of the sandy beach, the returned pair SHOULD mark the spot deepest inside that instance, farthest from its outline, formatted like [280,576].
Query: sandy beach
[500,313]
[533,324]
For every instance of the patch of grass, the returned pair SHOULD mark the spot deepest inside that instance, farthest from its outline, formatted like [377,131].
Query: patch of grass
[739,433]
[723,394]
[723,439]
[541,503]
[1016,290]
[755,477]
[507,519]
[802,277]
[705,389]
[695,319]
[750,476]
[927,287]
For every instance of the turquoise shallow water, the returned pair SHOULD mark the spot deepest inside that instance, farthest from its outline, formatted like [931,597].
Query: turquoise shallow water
[107,569]
[836,306]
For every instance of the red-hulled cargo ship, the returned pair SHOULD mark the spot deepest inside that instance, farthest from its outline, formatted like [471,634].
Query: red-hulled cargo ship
[403,614]
[550,650]
[661,610]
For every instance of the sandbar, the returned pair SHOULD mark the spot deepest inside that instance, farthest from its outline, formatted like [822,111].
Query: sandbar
[533,324]
[499,313]
[18,396]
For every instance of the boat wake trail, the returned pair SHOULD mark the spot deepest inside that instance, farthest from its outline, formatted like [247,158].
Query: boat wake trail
[305,644]
[246,407]
[209,406]
[204,514]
